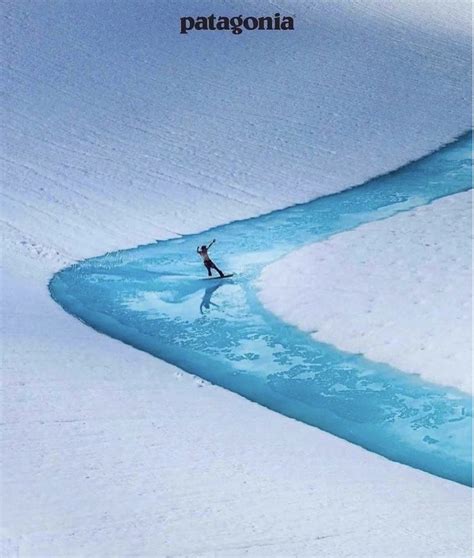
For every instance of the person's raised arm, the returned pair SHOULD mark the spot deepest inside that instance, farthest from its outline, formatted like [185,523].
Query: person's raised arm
[211,243]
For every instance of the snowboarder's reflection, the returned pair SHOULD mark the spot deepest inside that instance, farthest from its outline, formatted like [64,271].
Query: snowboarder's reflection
[206,299]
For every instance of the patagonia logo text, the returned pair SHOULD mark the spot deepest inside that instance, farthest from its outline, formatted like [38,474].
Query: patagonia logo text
[236,24]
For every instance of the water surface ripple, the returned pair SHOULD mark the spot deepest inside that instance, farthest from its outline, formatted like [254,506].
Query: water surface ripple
[155,298]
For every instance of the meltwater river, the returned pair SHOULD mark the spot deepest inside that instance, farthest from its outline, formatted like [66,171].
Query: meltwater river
[155,298]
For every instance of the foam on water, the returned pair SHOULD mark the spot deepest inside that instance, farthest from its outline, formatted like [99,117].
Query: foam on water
[153,297]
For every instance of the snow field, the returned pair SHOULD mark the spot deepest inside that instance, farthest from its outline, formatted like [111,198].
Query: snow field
[117,132]
[397,290]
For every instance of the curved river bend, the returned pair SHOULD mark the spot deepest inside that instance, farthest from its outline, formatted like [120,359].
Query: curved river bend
[154,298]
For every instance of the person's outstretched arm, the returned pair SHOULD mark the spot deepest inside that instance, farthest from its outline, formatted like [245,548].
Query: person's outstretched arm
[211,244]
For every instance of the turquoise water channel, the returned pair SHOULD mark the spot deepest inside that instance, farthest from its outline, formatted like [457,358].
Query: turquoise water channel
[156,298]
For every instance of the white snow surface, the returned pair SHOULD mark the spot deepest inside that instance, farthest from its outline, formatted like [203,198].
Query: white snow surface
[119,131]
[398,290]
[117,125]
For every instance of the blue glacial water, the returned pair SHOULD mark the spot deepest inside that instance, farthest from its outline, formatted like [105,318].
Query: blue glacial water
[156,298]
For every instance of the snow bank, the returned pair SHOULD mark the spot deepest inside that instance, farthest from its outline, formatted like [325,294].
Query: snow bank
[108,451]
[398,291]
[118,131]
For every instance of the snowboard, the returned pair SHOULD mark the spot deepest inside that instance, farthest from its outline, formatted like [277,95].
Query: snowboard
[219,277]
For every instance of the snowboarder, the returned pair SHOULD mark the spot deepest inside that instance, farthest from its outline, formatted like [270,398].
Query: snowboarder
[203,252]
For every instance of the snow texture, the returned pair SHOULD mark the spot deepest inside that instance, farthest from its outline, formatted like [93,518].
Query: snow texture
[118,131]
[398,290]
[117,125]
